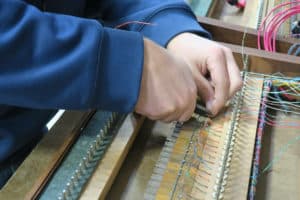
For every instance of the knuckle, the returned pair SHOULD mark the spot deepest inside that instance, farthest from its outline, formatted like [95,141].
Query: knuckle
[187,116]
[227,50]
[153,116]
[170,109]
[218,51]
[184,119]
[181,103]
[166,120]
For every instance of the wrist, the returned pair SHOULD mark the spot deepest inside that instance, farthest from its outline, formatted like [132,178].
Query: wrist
[179,40]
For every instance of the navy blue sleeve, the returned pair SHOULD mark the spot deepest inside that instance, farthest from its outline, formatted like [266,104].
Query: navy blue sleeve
[167,18]
[52,61]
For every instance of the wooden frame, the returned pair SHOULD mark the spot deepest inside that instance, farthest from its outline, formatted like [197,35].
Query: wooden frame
[264,62]
[259,61]
[39,166]
[233,34]
[32,175]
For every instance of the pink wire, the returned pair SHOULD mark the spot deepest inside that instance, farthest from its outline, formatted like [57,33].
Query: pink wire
[269,31]
[278,19]
[272,29]
[266,18]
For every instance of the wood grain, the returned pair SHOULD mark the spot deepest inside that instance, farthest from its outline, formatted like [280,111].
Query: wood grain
[104,175]
[230,14]
[260,61]
[233,34]
[37,168]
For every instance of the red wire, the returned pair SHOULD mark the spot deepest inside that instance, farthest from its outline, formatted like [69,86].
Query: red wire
[132,22]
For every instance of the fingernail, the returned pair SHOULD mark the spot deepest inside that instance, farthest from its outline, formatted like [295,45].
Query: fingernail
[209,105]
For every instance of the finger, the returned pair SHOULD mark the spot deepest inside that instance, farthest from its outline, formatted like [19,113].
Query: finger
[186,102]
[188,112]
[234,75]
[174,112]
[217,68]
[190,105]
[166,117]
[187,96]
[204,87]
[175,116]
[158,112]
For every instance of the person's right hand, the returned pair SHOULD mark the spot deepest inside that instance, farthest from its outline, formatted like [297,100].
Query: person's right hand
[168,91]
[213,66]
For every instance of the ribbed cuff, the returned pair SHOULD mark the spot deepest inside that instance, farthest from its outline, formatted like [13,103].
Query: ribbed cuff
[120,70]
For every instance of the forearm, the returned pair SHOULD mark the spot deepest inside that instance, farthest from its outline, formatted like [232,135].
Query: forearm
[58,61]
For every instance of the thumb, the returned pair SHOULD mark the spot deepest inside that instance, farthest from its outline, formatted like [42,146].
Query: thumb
[205,90]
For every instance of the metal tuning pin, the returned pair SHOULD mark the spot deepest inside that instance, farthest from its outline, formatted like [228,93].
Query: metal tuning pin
[64,195]
[201,110]
[98,141]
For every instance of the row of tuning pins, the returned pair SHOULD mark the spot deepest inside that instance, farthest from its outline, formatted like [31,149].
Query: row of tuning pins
[81,174]
[163,160]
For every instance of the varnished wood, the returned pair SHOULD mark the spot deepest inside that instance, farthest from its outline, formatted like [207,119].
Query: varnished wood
[283,180]
[266,62]
[131,182]
[233,34]
[231,14]
[34,172]
[105,173]
[193,169]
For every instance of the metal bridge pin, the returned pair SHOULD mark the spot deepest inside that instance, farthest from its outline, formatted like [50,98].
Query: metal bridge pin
[108,124]
[113,115]
[65,195]
[85,163]
[105,129]
[221,196]
[74,180]
[69,187]
[112,118]
[215,188]
[93,147]
[77,174]
[214,195]
[89,156]
[101,133]
[98,141]
[224,183]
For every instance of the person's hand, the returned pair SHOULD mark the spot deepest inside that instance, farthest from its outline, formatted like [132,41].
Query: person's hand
[214,69]
[168,91]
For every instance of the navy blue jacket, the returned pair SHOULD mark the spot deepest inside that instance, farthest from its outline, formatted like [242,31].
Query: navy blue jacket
[55,55]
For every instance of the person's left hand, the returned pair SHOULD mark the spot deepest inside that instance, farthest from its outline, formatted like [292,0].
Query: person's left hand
[214,69]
